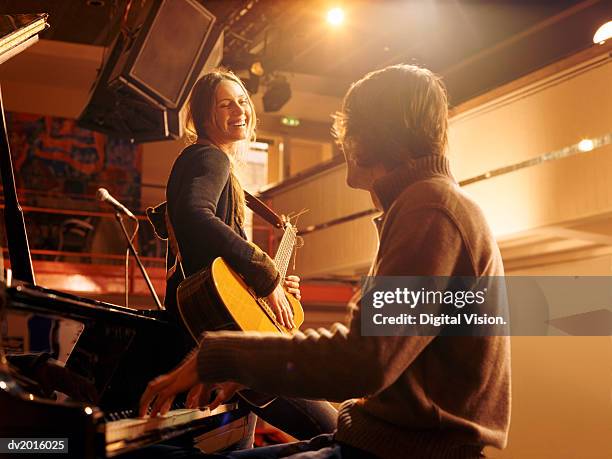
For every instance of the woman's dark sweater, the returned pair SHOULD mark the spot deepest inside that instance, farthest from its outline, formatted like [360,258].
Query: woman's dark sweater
[201,208]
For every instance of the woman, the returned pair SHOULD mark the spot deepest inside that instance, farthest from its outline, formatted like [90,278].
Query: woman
[206,208]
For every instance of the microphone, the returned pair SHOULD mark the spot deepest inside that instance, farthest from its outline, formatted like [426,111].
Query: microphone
[103,195]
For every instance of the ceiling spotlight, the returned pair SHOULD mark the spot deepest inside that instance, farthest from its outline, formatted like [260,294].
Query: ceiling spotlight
[335,16]
[603,33]
[257,68]
[251,84]
[585,145]
[277,94]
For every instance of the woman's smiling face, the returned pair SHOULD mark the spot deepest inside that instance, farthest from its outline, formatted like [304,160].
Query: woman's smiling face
[231,117]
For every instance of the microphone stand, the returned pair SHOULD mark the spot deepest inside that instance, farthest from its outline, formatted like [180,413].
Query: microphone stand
[140,265]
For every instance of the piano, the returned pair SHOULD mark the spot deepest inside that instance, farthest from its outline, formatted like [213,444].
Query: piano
[111,353]
[74,368]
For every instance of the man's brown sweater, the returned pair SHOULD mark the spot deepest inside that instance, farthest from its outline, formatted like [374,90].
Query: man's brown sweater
[410,396]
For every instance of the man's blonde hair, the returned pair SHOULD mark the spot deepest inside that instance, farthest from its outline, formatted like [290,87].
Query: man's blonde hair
[393,115]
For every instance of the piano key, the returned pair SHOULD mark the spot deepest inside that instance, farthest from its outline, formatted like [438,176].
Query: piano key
[137,428]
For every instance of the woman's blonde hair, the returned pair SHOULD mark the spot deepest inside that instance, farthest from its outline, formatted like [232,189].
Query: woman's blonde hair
[394,115]
[201,113]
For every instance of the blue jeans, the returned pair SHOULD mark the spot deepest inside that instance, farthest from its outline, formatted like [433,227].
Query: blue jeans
[321,447]
[302,419]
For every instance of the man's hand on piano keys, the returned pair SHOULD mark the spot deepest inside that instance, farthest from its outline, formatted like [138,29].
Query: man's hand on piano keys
[160,392]
[200,395]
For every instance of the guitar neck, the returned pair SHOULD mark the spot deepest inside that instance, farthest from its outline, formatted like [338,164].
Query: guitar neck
[285,249]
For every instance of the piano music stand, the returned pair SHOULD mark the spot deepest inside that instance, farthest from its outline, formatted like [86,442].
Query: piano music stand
[17,32]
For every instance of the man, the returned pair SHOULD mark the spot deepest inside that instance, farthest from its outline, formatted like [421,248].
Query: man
[409,396]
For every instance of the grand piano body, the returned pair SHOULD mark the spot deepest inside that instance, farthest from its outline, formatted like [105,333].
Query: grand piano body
[102,356]
[75,368]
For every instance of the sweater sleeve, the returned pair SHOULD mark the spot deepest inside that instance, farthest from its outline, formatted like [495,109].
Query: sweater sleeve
[338,363]
[201,234]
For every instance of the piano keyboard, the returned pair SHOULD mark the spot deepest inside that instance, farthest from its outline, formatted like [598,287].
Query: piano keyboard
[135,428]
[121,433]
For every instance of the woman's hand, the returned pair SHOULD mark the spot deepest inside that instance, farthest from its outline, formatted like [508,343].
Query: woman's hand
[281,307]
[292,283]
[161,391]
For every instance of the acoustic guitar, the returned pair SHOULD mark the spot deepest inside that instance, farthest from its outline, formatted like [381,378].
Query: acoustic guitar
[217,298]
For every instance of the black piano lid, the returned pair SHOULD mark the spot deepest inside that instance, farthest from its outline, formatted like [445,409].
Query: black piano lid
[119,349]
[32,298]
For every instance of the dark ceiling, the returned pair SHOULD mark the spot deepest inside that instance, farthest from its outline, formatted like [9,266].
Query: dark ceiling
[475,45]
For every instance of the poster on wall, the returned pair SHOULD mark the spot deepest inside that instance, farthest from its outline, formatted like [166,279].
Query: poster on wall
[53,155]
[59,166]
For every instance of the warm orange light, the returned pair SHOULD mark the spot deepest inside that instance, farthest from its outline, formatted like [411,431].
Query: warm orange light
[335,16]
[603,33]
[585,145]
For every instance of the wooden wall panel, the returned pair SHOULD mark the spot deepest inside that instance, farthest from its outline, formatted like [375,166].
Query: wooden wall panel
[325,195]
[543,117]
[345,249]
[547,115]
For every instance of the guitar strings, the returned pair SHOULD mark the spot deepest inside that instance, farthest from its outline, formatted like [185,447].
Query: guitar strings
[285,249]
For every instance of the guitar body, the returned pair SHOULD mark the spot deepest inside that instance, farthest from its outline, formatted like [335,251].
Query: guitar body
[216,298]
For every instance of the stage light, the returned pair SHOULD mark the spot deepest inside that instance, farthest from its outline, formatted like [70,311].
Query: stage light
[251,83]
[585,145]
[257,68]
[277,94]
[335,16]
[603,33]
